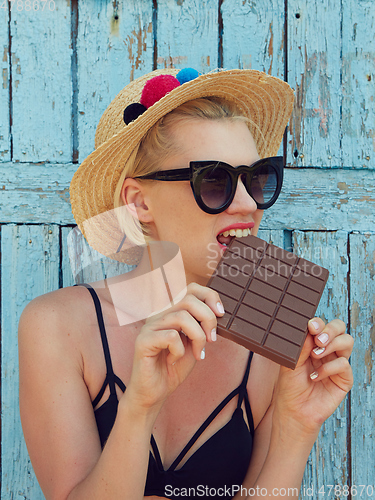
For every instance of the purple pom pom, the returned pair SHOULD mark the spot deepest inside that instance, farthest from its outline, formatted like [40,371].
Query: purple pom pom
[186,75]
[158,87]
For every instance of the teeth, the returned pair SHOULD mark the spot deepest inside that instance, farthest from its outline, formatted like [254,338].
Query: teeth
[238,233]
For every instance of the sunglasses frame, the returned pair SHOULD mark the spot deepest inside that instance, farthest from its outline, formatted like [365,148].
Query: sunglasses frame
[197,169]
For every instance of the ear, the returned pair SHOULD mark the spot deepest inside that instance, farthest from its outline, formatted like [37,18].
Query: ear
[134,196]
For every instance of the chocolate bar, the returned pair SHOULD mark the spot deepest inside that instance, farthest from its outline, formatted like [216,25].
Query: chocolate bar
[269,295]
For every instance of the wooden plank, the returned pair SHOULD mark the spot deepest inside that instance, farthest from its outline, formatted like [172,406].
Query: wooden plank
[328,461]
[362,324]
[30,267]
[311,199]
[187,34]
[253,35]
[276,237]
[5,84]
[114,46]
[314,71]
[358,76]
[35,193]
[41,82]
[314,199]
[83,264]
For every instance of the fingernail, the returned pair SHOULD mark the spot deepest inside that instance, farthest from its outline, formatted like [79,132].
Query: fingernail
[213,334]
[319,350]
[203,353]
[323,338]
[220,308]
[315,324]
[314,375]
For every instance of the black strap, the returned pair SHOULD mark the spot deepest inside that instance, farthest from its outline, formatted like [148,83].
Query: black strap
[110,377]
[243,386]
[203,427]
[156,453]
[240,390]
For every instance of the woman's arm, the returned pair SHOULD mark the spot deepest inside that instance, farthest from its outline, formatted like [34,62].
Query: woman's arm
[56,410]
[285,436]
[57,414]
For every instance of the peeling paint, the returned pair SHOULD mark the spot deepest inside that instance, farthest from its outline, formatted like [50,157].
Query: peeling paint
[138,37]
[5,78]
[355,317]
[5,56]
[270,49]
[369,360]
[171,62]
[299,111]
[115,20]
[342,186]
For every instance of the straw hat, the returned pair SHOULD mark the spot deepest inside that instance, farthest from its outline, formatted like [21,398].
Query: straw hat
[266,100]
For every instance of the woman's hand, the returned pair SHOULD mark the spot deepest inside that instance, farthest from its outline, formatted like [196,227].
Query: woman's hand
[308,395]
[169,345]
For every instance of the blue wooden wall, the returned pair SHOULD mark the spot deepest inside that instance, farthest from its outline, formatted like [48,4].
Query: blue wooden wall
[62,63]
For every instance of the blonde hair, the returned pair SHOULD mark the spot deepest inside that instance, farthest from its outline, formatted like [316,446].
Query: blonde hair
[158,145]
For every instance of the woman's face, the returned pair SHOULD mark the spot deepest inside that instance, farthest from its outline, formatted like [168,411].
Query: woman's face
[175,213]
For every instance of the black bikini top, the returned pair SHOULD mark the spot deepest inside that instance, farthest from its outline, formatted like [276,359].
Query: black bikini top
[215,469]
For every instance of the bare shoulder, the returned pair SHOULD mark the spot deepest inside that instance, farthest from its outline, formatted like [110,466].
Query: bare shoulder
[56,411]
[261,385]
[55,316]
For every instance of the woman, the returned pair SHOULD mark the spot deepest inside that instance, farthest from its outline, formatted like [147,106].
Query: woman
[200,416]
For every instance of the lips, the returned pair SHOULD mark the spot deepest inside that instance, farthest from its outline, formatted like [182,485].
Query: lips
[238,230]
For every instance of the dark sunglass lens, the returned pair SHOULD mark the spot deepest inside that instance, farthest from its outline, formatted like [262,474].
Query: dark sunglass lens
[215,188]
[264,184]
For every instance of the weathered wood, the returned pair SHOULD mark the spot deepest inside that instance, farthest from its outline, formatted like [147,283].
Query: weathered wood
[358,80]
[36,193]
[114,46]
[276,237]
[328,461]
[4,86]
[362,325]
[253,35]
[187,34]
[83,264]
[41,83]
[311,199]
[30,267]
[314,68]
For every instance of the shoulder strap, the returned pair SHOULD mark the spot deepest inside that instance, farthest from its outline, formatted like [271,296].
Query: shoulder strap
[243,386]
[240,390]
[110,377]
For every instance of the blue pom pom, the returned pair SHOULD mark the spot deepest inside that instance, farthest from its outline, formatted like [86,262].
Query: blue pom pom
[186,75]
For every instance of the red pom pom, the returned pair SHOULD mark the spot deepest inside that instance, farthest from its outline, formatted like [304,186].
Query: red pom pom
[156,88]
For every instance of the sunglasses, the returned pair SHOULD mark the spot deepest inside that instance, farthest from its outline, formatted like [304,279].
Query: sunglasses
[214,183]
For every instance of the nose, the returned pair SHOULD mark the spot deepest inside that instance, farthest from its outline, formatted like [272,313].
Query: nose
[242,201]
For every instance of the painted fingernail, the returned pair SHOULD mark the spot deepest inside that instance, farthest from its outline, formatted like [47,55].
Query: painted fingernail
[315,324]
[203,353]
[314,375]
[323,338]
[213,334]
[220,308]
[319,350]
